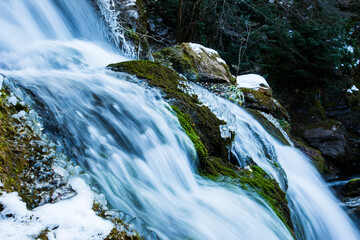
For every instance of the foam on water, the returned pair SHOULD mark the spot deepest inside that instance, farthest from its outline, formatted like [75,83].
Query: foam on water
[315,210]
[130,142]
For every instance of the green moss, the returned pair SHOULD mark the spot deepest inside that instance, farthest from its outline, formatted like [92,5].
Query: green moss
[116,234]
[177,58]
[204,123]
[352,188]
[260,101]
[43,235]
[269,127]
[203,128]
[258,181]
[216,167]
[199,146]
[13,157]
[121,230]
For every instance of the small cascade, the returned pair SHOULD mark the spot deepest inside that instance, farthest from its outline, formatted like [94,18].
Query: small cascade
[111,15]
[315,210]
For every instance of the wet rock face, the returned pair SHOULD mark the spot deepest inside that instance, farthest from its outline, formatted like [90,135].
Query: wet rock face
[350,194]
[329,137]
[352,188]
[195,62]
[349,116]
[129,17]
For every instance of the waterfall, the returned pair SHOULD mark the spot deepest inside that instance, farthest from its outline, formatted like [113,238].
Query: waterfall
[125,136]
[313,204]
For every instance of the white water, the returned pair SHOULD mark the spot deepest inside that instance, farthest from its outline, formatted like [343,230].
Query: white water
[314,206]
[126,138]
[122,134]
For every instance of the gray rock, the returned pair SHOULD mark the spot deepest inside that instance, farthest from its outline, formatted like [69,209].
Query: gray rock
[195,62]
[329,137]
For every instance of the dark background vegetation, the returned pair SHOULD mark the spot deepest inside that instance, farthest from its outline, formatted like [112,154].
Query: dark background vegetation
[294,44]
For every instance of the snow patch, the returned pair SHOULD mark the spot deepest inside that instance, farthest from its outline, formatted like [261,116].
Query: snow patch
[352,89]
[252,81]
[66,219]
[200,48]
[349,48]
[220,60]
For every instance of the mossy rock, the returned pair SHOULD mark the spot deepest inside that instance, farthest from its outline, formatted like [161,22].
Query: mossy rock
[204,123]
[201,64]
[25,161]
[260,101]
[328,136]
[115,233]
[14,148]
[253,180]
[185,123]
[317,158]
[259,181]
[203,128]
[352,188]
[269,127]
[43,235]
[176,58]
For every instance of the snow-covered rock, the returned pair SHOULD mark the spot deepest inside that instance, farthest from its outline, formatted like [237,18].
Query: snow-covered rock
[258,96]
[67,219]
[253,81]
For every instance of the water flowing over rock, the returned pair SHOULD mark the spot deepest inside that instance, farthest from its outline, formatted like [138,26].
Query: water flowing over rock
[141,142]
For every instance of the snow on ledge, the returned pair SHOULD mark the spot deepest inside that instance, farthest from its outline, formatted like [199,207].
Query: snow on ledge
[66,219]
[252,81]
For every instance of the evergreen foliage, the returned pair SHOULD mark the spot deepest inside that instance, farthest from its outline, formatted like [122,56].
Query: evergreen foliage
[296,44]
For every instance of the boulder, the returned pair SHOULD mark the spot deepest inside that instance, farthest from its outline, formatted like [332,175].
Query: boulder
[195,62]
[317,158]
[352,188]
[261,101]
[328,136]
[255,82]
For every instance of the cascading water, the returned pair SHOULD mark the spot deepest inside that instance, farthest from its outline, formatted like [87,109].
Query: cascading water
[127,139]
[313,204]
